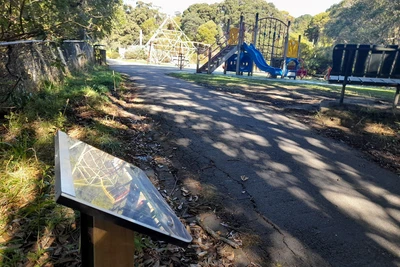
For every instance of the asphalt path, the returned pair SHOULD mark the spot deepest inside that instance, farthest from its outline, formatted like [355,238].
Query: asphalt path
[308,200]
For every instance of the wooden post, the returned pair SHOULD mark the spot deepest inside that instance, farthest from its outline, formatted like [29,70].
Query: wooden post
[254,42]
[255,31]
[343,90]
[149,56]
[228,26]
[284,70]
[239,45]
[86,245]
[180,57]
[113,245]
[198,60]
[209,60]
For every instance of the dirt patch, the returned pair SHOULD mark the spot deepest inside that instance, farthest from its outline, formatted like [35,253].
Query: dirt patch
[374,131]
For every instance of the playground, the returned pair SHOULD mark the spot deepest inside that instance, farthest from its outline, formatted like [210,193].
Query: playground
[263,47]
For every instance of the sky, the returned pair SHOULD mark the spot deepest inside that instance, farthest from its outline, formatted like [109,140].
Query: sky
[296,8]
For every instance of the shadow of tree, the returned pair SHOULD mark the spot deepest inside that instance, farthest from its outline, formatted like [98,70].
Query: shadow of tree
[310,200]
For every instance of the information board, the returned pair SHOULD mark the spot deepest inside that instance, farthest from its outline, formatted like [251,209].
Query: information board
[101,185]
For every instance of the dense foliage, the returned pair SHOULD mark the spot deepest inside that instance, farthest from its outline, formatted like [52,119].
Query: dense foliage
[196,16]
[365,21]
[126,31]
[67,19]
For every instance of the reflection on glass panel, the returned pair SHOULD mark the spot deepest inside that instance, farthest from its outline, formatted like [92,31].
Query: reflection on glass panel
[122,188]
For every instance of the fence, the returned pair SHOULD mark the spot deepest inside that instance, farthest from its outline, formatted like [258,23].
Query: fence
[25,64]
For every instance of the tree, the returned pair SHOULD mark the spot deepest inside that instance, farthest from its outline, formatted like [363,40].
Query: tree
[301,24]
[207,32]
[22,19]
[133,19]
[199,14]
[315,29]
[365,21]
[195,16]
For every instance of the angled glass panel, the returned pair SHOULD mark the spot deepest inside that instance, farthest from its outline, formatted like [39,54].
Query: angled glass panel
[100,184]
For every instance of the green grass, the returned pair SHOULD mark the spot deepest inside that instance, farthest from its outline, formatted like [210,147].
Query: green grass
[217,81]
[32,225]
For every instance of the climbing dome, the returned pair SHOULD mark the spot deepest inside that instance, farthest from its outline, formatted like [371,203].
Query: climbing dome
[169,42]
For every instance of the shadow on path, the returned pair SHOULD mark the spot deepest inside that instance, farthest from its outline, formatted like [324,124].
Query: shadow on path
[311,201]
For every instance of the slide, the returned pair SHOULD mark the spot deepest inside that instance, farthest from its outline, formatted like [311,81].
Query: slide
[260,61]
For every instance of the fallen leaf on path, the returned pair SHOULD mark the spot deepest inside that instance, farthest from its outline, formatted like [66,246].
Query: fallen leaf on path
[244,178]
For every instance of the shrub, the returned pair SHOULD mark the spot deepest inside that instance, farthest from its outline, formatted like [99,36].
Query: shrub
[136,53]
[112,54]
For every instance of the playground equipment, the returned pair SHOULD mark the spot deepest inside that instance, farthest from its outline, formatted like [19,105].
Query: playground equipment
[246,63]
[270,54]
[292,58]
[260,62]
[169,42]
[218,53]
[271,37]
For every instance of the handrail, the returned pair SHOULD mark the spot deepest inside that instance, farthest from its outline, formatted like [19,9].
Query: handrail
[214,49]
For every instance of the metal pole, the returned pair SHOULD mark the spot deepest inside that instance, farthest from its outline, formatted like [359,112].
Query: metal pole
[347,71]
[239,45]
[180,57]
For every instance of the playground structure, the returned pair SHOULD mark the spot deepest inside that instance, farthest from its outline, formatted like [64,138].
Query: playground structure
[270,50]
[170,44]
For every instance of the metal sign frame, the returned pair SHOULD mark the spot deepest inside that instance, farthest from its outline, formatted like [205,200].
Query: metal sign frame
[170,227]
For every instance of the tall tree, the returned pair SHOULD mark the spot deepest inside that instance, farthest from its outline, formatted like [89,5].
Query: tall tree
[198,14]
[143,17]
[195,16]
[300,24]
[49,19]
[365,21]
[207,33]
[316,27]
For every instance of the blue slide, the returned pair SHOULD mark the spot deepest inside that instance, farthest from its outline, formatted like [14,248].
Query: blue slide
[260,61]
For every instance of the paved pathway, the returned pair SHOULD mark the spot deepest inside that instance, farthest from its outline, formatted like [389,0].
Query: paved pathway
[308,200]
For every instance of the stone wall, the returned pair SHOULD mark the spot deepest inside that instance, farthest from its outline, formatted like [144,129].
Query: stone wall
[24,65]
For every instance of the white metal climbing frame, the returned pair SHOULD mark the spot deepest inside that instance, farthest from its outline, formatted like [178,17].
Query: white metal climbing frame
[169,42]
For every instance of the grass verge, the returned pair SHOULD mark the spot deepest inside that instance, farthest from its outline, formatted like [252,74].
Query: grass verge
[34,230]
[221,81]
